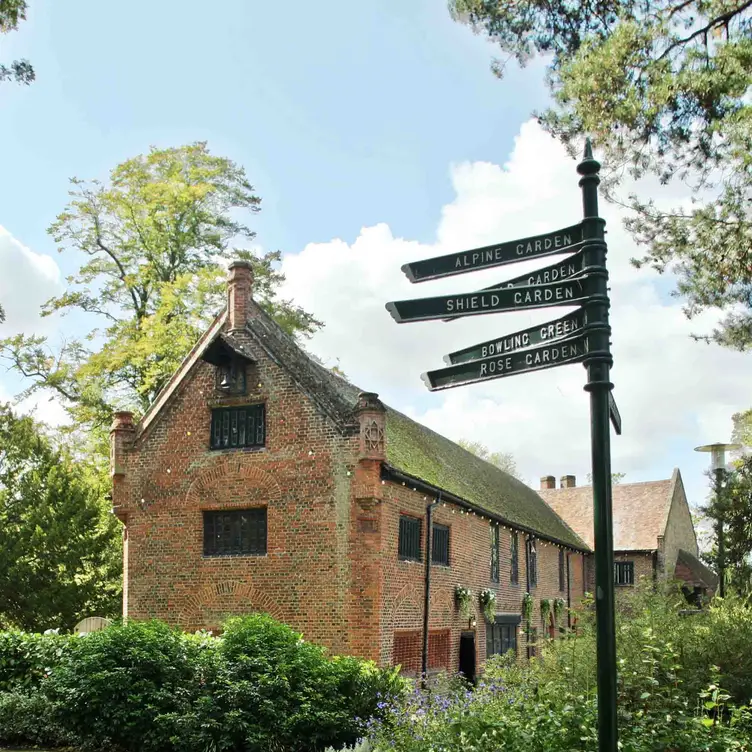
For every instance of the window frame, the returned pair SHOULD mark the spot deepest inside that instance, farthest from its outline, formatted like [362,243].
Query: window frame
[445,562]
[562,571]
[501,625]
[514,558]
[495,552]
[406,518]
[531,562]
[259,512]
[218,431]
[622,567]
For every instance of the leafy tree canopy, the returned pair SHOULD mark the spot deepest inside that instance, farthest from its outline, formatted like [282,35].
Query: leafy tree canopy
[663,87]
[503,460]
[59,546]
[156,240]
[12,12]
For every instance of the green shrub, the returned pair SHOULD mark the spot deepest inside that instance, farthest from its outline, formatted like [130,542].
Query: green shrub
[28,718]
[124,686]
[25,658]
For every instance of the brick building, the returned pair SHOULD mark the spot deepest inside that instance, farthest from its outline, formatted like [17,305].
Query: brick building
[259,480]
[654,536]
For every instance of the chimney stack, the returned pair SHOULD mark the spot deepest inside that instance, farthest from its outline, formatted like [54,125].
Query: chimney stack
[568,481]
[239,290]
[547,482]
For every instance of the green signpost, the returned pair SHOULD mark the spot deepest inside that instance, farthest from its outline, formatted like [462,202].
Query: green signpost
[582,336]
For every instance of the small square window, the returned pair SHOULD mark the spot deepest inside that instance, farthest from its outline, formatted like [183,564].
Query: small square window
[440,545]
[624,573]
[236,532]
[409,538]
[237,427]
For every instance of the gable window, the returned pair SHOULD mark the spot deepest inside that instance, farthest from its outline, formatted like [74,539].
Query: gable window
[514,553]
[624,573]
[440,545]
[409,538]
[501,635]
[532,563]
[494,553]
[236,532]
[236,427]
[562,570]
[230,378]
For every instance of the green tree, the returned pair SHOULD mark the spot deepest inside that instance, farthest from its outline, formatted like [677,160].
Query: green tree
[59,545]
[663,87]
[158,238]
[616,478]
[12,12]
[503,460]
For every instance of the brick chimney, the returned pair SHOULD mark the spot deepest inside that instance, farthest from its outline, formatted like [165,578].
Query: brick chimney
[547,482]
[239,291]
[568,481]
[122,432]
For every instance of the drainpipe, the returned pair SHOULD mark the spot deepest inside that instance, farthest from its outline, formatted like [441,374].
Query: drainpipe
[427,594]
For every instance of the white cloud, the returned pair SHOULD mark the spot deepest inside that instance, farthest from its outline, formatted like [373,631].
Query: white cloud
[672,392]
[27,279]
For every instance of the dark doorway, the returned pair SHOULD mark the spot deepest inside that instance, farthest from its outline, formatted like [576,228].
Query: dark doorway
[467,656]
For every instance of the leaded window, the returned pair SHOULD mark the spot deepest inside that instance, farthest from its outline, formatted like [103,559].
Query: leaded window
[514,559]
[624,572]
[562,570]
[236,532]
[440,545]
[532,563]
[501,635]
[494,553]
[236,427]
[409,538]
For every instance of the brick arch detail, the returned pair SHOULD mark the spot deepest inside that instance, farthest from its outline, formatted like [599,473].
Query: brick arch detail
[218,485]
[217,600]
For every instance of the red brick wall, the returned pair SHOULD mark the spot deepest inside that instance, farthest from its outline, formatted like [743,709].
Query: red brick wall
[303,475]
[469,556]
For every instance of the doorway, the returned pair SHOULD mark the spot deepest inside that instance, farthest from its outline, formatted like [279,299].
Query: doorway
[467,656]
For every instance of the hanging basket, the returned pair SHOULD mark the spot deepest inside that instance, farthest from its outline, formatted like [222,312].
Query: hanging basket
[463,597]
[487,600]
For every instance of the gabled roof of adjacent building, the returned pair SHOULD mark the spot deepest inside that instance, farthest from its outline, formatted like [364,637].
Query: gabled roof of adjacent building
[411,448]
[702,573]
[640,511]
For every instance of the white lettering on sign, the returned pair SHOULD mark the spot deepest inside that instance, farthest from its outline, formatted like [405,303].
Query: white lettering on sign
[543,296]
[553,354]
[543,244]
[559,328]
[515,342]
[500,365]
[472,302]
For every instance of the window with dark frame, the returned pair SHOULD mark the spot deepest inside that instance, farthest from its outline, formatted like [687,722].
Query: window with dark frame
[532,562]
[514,554]
[562,570]
[624,573]
[409,538]
[501,635]
[532,642]
[237,427]
[440,545]
[494,553]
[236,532]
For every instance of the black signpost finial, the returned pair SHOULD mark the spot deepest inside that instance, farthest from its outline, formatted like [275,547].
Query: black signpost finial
[598,363]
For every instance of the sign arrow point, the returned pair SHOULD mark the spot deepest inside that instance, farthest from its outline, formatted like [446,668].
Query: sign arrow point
[393,312]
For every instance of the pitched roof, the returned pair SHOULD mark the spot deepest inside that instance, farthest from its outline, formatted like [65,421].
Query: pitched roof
[702,573]
[413,449]
[640,511]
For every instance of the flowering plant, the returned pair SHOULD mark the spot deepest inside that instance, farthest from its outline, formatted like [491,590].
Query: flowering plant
[487,600]
[464,597]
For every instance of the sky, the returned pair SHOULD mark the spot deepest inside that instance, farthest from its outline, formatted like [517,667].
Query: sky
[375,134]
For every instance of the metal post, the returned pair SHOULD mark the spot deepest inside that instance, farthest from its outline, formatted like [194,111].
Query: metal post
[427,594]
[719,532]
[598,363]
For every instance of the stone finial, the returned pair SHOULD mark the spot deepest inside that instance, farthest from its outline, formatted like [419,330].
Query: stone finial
[568,481]
[372,418]
[239,293]
[547,482]
[122,433]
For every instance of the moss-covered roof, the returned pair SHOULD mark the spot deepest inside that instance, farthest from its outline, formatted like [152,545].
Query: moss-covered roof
[413,449]
[424,454]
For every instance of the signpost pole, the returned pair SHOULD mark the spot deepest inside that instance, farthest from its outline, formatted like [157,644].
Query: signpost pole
[598,363]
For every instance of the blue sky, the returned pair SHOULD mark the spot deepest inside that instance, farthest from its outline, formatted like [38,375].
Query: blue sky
[343,114]
[370,123]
